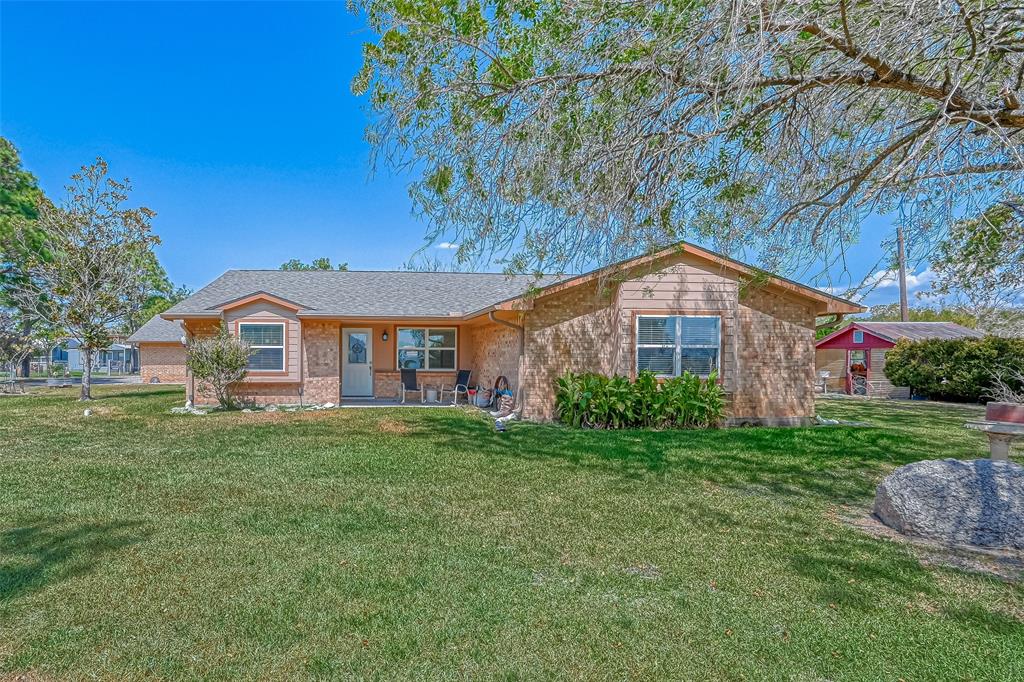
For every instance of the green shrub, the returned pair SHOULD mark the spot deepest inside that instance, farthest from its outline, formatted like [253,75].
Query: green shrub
[596,401]
[218,362]
[961,370]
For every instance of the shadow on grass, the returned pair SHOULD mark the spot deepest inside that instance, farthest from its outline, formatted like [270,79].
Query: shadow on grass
[131,394]
[48,551]
[841,464]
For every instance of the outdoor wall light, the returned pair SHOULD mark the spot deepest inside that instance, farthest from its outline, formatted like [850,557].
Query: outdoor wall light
[384,336]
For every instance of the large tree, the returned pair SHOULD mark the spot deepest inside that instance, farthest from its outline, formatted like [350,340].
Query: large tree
[980,266]
[20,239]
[559,132]
[93,276]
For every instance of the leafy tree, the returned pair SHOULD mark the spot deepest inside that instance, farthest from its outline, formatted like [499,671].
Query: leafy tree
[20,197]
[20,235]
[981,266]
[91,279]
[18,342]
[890,312]
[218,362]
[568,133]
[157,302]
[316,264]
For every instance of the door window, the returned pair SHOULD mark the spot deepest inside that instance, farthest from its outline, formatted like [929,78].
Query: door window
[357,348]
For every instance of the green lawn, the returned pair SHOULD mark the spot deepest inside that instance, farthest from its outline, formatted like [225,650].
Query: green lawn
[422,544]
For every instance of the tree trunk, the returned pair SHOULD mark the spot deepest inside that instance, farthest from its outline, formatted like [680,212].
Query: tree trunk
[86,374]
[901,256]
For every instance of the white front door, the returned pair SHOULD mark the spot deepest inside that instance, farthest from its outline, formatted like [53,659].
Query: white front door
[357,362]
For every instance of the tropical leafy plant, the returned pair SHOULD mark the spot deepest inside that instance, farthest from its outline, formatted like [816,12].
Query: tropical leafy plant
[593,400]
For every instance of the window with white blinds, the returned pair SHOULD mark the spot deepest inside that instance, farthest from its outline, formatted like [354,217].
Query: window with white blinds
[669,345]
[266,345]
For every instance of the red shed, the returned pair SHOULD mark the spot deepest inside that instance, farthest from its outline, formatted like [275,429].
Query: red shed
[854,356]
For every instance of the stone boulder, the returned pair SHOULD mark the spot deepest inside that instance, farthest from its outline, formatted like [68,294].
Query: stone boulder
[976,502]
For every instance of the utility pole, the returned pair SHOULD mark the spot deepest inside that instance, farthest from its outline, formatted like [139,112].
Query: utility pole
[901,256]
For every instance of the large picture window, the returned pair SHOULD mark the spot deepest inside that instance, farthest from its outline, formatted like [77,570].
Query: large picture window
[426,348]
[669,345]
[266,345]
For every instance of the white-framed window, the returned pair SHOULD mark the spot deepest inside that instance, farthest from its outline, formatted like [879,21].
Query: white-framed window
[858,336]
[669,345]
[266,345]
[427,347]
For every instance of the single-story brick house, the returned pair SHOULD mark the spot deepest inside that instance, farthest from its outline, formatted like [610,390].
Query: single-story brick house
[854,355]
[161,351]
[323,336]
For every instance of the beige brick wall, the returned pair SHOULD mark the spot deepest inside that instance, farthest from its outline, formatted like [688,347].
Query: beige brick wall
[775,359]
[321,361]
[492,351]
[163,362]
[571,330]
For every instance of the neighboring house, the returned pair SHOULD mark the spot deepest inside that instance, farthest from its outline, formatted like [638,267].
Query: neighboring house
[854,356]
[321,336]
[161,351]
[118,358]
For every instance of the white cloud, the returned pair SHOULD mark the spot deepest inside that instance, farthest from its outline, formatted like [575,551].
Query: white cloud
[447,245]
[884,279]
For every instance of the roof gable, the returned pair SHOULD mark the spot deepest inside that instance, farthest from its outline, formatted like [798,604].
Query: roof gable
[824,303]
[891,332]
[260,296]
[158,330]
[843,338]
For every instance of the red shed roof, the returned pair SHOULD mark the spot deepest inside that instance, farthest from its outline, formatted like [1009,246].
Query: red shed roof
[915,331]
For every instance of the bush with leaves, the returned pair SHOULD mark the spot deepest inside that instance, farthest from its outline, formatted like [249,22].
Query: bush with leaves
[961,370]
[218,362]
[596,401]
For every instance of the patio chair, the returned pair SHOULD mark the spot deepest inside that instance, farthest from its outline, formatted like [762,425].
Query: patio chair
[461,386]
[409,384]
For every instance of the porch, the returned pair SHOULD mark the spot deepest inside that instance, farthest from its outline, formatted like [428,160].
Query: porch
[357,403]
[360,362]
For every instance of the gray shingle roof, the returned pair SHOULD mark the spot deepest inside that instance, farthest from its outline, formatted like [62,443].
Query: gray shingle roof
[919,331]
[364,293]
[157,330]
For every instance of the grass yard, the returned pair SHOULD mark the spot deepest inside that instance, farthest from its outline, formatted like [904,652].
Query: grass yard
[407,543]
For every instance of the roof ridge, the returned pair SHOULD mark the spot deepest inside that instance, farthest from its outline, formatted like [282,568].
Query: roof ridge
[400,272]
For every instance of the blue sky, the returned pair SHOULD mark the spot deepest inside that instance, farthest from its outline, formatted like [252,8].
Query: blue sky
[234,122]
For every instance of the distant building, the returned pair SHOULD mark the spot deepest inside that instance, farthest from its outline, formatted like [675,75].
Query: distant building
[161,351]
[854,356]
[117,358]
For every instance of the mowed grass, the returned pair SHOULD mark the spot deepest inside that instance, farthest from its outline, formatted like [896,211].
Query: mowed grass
[406,543]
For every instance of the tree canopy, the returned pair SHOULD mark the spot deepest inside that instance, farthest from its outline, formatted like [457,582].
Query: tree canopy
[555,133]
[315,264]
[980,267]
[20,235]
